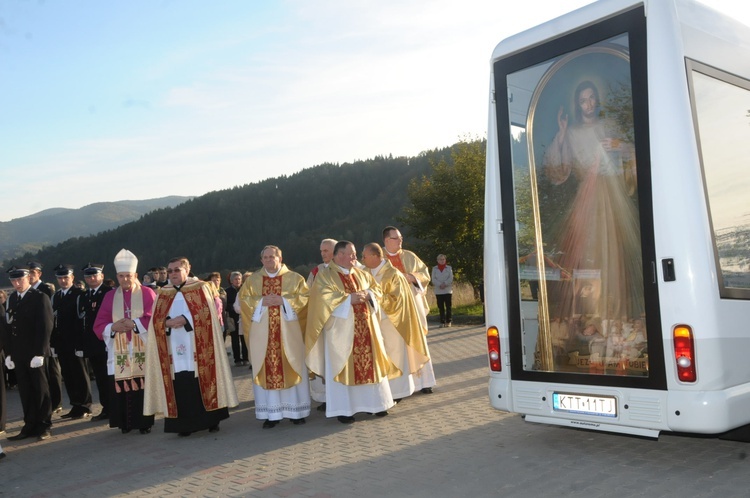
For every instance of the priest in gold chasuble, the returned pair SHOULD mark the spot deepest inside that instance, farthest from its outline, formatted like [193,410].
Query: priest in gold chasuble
[187,372]
[418,275]
[405,341]
[273,304]
[343,339]
[317,387]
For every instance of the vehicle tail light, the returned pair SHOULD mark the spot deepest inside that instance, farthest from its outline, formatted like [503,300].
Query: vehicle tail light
[684,353]
[493,349]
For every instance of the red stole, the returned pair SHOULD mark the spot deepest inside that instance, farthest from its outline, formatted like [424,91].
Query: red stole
[274,367]
[396,261]
[362,354]
[204,346]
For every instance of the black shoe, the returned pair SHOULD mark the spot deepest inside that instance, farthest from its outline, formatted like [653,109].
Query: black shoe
[251,367]
[214,428]
[397,401]
[70,414]
[384,413]
[321,407]
[2,455]
[345,420]
[44,435]
[147,430]
[427,390]
[101,416]
[184,434]
[57,410]
[125,431]
[298,421]
[80,415]
[19,437]
[270,424]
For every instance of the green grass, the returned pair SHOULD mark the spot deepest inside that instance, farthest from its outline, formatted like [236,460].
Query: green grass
[467,314]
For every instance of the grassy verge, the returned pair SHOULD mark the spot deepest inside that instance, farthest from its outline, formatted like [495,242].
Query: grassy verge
[467,314]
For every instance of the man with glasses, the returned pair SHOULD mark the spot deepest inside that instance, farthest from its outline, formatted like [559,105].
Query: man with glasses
[93,348]
[29,324]
[122,322]
[187,373]
[418,275]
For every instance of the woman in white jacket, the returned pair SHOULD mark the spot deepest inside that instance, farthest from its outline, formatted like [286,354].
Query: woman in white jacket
[442,280]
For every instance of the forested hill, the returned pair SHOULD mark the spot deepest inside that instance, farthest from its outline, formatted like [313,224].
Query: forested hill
[226,230]
[31,233]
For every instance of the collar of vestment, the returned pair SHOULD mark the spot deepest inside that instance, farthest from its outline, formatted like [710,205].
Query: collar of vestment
[190,284]
[282,270]
[343,270]
[375,270]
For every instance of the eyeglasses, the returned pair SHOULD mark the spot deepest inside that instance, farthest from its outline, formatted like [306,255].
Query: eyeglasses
[175,270]
[396,238]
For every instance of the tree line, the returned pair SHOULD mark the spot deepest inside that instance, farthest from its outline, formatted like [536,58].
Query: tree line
[435,198]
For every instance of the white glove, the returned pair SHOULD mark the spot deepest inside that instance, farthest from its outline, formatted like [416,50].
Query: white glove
[79,354]
[9,363]
[37,361]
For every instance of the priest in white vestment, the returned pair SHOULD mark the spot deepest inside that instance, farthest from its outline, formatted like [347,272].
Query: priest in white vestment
[418,275]
[404,338]
[343,339]
[273,302]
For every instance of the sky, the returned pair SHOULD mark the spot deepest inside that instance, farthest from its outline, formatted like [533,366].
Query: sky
[139,99]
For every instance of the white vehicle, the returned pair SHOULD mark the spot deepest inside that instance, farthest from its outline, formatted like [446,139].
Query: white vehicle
[617,220]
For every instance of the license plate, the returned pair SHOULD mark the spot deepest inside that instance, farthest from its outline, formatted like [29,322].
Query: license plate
[601,406]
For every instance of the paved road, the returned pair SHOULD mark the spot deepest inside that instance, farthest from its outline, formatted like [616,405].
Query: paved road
[447,444]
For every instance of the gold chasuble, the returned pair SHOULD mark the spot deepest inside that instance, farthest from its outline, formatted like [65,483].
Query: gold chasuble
[276,345]
[210,360]
[355,346]
[398,304]
[408,262]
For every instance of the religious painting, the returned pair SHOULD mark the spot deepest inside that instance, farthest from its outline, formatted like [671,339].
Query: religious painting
[578,207]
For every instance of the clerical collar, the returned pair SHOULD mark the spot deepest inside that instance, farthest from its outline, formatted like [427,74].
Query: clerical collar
[273,275]
[392,253]
[344,270]
[375,270]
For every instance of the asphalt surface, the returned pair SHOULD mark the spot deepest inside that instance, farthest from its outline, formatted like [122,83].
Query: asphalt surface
[449,443]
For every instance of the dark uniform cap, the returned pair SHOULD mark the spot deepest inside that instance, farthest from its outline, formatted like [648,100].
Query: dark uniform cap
[92,268]
[17,271]
[64,270]
[34,265]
